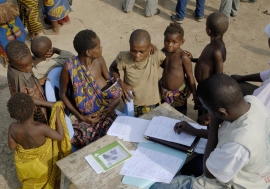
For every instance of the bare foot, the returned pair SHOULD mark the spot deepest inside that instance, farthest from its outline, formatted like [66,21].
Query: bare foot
[50,32]
[33,35]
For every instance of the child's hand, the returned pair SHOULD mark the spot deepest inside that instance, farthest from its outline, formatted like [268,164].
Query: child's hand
[185,127]
[111,105]
[49,53]
[188,53]
[237,78]
[127,95]
[43,80]
[91,119]
[187,91]
[153,49]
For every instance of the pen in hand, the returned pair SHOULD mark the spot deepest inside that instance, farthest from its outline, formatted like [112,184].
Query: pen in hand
[178,124]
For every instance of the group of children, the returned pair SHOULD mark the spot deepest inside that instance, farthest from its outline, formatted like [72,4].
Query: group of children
[27,74]
[13,20]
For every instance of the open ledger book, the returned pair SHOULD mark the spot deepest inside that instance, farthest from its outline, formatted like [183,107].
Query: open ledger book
[161,130]
[108,157]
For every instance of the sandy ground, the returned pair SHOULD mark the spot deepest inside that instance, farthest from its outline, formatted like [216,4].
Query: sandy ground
[246,42]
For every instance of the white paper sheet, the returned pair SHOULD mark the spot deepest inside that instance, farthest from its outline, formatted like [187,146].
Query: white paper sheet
[163,128]
[152,165]
[129,128]
[200,148]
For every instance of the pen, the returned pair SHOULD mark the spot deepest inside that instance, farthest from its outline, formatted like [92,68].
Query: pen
[182,119]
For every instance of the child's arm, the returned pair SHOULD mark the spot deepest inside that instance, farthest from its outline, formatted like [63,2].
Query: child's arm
[42,103]
[218,62]
[126,88]
[104,69]
[251,77]
[189,73]
[11,143]
[57,134]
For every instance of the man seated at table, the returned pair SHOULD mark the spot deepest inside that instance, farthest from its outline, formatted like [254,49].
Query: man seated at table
[141,70]
[237,152]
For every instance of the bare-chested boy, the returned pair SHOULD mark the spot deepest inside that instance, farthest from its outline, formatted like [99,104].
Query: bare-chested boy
[43,62]
[214,54]
[176,66]
[36,153]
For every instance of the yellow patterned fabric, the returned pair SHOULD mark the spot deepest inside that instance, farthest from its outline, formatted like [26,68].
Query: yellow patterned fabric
[29,15]
[36,168]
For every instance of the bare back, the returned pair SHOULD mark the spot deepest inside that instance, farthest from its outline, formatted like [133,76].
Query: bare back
[29,135]
[173,73]
[211,60]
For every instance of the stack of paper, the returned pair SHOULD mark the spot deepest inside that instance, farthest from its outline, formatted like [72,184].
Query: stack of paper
[129,128]
[151,165]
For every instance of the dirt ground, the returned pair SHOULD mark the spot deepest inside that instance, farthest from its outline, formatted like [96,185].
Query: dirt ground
[246,43]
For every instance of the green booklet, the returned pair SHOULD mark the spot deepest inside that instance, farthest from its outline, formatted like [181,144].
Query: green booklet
[108,157]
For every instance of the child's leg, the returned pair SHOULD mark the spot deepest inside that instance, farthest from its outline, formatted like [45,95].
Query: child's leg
[5,62]
[55,29]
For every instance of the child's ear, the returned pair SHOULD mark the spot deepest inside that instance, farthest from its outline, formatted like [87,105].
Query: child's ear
[183,41]
[208,31]
[88,52]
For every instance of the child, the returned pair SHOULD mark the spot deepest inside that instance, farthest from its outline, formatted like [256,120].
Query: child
[214,54]
[92,102]
[141,70]
[11,27]
[36,153]
[21,79]
[42,51]
[176,66]
[231,160]
[54,11]
[29,15]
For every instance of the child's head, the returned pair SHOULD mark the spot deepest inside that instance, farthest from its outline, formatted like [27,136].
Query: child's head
[19,56]
[20,107]
[40,46]
[217,24]
[221,95]
[173,37]
[86,42]
[140,43]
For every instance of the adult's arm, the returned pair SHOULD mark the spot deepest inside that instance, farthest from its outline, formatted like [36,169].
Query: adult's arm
[185,127]
[251,77]
[211,144]
[126,88]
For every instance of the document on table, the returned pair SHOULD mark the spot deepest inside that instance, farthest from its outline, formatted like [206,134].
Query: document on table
[129,128]
[163,128]
[151,165]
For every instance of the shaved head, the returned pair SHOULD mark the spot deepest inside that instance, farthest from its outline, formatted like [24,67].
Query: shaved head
[40,46]
[140,36]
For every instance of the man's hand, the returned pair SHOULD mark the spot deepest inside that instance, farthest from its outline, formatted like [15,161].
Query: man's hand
[237,78]
[43,80]
[185,127]
[127,95]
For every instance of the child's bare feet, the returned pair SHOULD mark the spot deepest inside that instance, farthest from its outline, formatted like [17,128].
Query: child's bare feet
[50,32]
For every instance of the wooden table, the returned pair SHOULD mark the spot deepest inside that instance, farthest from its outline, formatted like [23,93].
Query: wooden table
[74,167]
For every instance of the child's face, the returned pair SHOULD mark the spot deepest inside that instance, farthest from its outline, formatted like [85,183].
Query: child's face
[140,51]
[24,65]
[96,52]
[172,42]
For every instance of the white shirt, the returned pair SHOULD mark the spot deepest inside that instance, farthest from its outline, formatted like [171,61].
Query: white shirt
[225,162]
[263,92]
